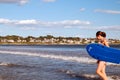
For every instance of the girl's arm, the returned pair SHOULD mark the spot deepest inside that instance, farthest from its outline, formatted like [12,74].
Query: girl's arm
[106,43]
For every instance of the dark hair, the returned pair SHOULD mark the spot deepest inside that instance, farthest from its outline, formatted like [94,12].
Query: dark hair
[103,34]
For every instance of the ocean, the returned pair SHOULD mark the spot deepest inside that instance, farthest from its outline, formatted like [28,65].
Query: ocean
[51,62]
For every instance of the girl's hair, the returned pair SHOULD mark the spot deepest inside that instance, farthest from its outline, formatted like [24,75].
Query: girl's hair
[103,34]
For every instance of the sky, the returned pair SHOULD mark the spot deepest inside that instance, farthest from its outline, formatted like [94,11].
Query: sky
[68,18]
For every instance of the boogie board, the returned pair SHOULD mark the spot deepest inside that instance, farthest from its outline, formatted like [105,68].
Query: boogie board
[103,53]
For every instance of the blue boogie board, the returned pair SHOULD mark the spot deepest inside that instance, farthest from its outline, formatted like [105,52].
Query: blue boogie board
[103,53]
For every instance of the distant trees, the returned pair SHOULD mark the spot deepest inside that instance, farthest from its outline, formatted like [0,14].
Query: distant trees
[12,37]
[41,39]
[49,39]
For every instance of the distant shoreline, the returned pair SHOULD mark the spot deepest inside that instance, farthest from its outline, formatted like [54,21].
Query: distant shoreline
[36,44]
[49,44]
[49,40]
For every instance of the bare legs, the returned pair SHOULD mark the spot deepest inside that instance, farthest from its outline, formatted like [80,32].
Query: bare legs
[101,70]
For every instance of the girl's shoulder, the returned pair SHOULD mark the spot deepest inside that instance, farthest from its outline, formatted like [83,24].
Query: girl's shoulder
[105,42]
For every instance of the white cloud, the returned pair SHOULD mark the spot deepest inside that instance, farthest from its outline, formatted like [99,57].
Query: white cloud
[111,28]
[26,22]
[4,21]
[82,9]
[72,23]
[48,0]
[38,23]
[23,1]
[107,11]
[28,28]
[68,27]
[34,24]
[14,1]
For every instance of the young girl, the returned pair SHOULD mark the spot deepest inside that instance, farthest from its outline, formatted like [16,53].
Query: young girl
[101,37]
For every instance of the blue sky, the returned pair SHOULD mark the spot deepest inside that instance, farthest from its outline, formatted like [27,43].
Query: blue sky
[69,18]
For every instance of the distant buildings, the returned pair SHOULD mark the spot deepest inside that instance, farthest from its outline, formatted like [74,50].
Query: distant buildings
[49,39]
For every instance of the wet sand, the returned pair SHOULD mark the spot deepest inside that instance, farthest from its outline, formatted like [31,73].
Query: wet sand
[27,67]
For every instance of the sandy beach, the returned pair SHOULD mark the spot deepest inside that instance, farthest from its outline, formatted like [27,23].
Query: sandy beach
[28,66]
